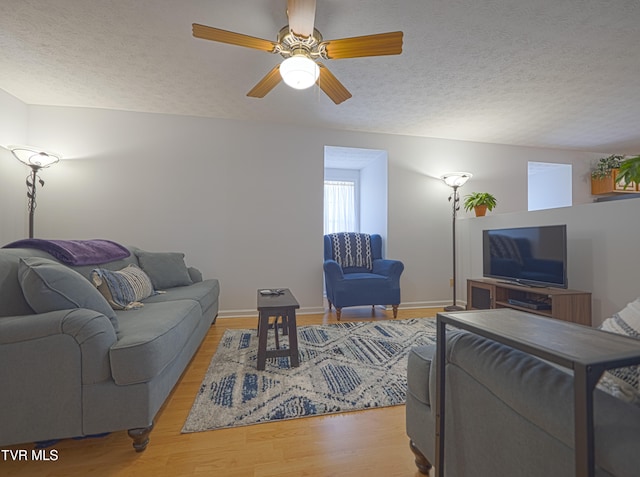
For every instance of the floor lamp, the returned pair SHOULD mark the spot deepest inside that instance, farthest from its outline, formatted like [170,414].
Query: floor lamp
[455,180]
[36,160]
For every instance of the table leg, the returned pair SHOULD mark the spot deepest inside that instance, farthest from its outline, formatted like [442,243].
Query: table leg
[293,339]
[585,379]
[275,330]
[263,329]
[441,346]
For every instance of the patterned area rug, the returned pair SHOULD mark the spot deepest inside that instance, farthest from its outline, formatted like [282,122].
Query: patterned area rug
[343,367]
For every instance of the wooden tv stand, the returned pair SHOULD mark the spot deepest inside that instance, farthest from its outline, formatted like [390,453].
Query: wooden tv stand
[559,303]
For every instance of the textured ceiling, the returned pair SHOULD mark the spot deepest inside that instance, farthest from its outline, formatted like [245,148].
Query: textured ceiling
[548,73]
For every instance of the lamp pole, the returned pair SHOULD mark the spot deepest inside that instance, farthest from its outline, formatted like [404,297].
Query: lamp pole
[455,180]
[454,198]
[31,195]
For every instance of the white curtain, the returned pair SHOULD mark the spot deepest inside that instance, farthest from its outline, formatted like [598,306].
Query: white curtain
[339,207]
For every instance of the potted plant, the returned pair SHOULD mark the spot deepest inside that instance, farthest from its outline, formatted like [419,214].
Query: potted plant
[602,177]
[480,202]
[629,172]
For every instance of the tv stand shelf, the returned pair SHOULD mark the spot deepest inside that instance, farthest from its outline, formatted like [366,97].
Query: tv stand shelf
[559,303]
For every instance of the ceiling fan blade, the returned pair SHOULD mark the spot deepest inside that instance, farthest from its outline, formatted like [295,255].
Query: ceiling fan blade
[266,84]
[224,36]
[331,86]
[369,45]
[302,15]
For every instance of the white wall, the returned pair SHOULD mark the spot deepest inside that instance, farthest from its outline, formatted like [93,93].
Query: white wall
[374,198]
[13,190]
[244,200]
[241,200]
[602,247]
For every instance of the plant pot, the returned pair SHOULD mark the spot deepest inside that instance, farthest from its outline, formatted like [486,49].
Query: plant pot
[608,184]
[622,186]
[480,210]
[602,185]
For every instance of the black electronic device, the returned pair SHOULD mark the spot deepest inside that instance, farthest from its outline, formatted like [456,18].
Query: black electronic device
[269,292]
[531,304]
[535,256]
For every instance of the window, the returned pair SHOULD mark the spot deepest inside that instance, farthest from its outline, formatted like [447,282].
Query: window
[340,204]
[549,185]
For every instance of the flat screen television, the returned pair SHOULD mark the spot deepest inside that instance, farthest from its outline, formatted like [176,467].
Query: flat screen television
[535,256]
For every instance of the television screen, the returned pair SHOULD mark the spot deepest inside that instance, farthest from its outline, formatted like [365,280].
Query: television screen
[527,255]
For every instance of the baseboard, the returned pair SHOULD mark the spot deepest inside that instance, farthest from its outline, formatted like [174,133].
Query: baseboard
[429,304]
[313,310]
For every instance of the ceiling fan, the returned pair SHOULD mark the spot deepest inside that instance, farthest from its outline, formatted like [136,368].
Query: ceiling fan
[302,45]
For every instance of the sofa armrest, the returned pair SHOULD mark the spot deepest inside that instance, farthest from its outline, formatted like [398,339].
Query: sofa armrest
[332,270]
[421,370]
[89,331]
[419,380]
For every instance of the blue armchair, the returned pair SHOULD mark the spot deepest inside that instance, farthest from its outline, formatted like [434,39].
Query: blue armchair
[356,274]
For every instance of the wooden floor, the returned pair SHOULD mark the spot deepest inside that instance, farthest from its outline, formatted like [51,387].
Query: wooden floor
[363,443]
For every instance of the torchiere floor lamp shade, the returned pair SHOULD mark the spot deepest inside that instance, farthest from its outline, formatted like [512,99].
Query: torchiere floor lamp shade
[36,160]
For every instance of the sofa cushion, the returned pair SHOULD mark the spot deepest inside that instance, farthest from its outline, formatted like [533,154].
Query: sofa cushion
[49,286]
[151,337]
[205,292]
[166,269]
[623,383]
[123,289]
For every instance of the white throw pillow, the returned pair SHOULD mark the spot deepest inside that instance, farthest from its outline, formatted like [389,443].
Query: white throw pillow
[623,383]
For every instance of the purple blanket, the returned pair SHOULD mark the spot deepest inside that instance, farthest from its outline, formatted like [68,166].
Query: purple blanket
[76,252]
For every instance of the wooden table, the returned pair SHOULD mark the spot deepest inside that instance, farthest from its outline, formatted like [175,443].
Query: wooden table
[283,305]
[586,351]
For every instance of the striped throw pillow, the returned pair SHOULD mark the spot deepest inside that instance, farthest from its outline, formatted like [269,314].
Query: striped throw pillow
[123,289]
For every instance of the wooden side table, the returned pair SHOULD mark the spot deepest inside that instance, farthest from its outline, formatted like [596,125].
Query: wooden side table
[586,351]
[283,305]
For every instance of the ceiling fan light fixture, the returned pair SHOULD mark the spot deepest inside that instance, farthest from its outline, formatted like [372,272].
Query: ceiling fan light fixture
[299,71]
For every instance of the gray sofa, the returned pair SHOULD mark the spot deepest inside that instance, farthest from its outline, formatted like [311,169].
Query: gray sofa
[78,367]
[510,414]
